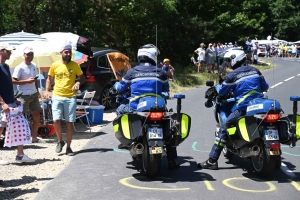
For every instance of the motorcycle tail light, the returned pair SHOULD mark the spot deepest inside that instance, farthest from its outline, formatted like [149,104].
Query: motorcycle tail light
[155,116]
[272,117]
[275,145]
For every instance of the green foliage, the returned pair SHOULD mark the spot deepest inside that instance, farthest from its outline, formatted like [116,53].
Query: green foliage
[176,26]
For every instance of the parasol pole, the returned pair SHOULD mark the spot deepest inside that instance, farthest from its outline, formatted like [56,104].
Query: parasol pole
[42,95]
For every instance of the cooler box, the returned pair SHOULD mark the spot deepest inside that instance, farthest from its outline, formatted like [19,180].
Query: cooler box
[95,114]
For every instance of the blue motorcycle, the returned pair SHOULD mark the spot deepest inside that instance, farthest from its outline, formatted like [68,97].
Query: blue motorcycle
[257,135]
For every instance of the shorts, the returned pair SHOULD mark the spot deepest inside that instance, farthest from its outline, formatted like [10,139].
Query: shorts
[30,101]
[64,108]
[3,123]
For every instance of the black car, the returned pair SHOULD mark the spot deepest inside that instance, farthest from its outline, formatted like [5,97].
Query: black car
[98,74]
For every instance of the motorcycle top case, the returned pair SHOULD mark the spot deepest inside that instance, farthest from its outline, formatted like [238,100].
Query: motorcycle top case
[146,103]
[127,128]
[258,106]
[242,131]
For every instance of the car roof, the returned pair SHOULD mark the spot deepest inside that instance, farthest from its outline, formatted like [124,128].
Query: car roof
[99,50]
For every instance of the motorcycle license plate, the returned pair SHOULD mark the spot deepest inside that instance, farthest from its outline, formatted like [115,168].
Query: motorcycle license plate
[155,133]
[271,134]
[156,150]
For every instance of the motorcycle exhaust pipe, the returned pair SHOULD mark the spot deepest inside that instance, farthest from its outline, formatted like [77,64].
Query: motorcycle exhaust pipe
[139,148]
[255,150]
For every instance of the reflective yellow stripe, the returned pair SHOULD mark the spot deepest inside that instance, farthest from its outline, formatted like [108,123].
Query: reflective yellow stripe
[243,129]
[184,126]
[116,128]
[247,95]
[298,127]
[231,131]
[125,126]
[144,95]
[219,144]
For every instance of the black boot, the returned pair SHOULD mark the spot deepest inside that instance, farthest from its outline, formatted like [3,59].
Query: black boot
[173,165]
[208,164]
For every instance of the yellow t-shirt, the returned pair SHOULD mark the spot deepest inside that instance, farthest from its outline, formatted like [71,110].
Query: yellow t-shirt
[65,76]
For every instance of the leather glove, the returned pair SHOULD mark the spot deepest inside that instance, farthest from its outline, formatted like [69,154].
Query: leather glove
[219,99]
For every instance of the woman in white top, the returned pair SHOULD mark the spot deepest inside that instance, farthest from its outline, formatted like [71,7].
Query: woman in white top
[201,57]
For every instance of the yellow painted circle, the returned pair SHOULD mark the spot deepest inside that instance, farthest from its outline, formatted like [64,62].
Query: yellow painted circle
[125,182]
[226,182]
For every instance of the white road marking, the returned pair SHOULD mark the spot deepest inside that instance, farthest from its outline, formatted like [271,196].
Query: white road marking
[276,84]
[287,171]
[289,78]
[298,74]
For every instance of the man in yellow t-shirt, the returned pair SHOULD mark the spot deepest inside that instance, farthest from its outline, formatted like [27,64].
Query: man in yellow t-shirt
[65,72]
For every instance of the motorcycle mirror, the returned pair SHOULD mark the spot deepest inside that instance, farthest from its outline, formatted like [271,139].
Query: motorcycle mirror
[210,83]
[208,103]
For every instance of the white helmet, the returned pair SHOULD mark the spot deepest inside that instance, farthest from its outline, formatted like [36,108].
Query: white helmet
[148,53]
[236,58]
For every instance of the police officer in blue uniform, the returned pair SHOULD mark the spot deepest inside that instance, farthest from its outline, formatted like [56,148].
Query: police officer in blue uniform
[247,83]
[145,79]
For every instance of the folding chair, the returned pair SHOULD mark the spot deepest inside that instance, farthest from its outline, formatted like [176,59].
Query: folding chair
[81,110]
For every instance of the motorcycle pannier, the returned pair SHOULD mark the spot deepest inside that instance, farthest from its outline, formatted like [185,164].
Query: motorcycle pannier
[242,131]
[284,127]
[183,129]
[127,128]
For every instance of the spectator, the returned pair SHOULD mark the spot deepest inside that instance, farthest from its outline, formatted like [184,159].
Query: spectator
[64,95]
[160,65]
[298,50]
[235,44]
[249,45]
[215,52]
[8,104]
[268,49]
[169,69]
[24,76]
[285,50]
[209,55]
[294,51]
[201,57]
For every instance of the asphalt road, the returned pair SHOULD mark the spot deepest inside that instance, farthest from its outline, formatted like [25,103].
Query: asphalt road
[101,171]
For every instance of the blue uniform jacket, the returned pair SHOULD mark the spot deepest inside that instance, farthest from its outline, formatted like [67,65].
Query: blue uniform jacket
[144,80]
[247,83]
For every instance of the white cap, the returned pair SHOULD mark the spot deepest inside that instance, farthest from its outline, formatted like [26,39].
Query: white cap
[28,50]
[6,46]
[66,45]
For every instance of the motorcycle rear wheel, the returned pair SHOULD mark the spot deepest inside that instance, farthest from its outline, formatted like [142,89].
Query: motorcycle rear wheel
[151,162]
[263,166]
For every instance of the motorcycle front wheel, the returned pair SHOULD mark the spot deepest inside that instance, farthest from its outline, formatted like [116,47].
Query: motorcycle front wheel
[151,162]
[263,164]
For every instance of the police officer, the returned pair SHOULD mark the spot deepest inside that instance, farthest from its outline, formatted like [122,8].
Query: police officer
[145,80]
[247,83]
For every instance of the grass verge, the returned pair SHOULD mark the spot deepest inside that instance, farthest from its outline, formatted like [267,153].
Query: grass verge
[188,78]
